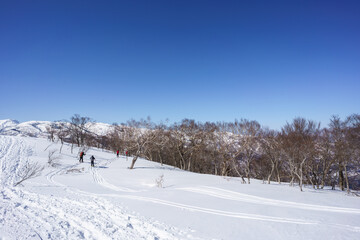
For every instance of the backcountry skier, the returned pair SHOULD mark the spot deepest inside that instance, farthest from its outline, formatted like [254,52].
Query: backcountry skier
[82,157]
[92,159]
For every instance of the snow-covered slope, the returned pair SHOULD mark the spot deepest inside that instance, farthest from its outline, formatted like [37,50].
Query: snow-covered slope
[31,128]
[74,201]
[8,123]
[38,128]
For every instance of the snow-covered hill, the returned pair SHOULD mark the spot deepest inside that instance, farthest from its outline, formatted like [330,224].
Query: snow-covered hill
[38,128]
[75,201]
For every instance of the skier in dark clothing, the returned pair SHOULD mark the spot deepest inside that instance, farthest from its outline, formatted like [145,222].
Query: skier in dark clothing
[82,157]
[92,159]
[117,153]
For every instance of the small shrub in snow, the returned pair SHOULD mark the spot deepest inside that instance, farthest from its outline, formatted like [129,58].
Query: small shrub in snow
[160,181]
[75,170]
[53,159]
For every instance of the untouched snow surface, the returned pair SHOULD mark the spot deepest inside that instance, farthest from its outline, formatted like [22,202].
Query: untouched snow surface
[74,201]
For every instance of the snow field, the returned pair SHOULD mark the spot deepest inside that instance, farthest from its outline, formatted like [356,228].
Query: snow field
[76,201]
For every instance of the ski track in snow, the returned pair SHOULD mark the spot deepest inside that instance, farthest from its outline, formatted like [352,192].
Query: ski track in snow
[90,216]
[220,212]
[83,216]
[101,181]
[14,152]
[238,215]
[235,196]
[135,222]
[229,195]
[79,218]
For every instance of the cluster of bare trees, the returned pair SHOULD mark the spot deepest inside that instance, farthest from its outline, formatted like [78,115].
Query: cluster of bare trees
[76,131]
[301,153]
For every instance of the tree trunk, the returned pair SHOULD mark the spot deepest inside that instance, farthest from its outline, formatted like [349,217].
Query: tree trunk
[271,173]
[161,161]
[248,171]
[347,180]
[277,173]
[237,171]
[182,160]
[133,162]
[189,164]
[224,169]
[301,174]
[325,173]
[341,178]
[317,181]
[137,154]
[292,173]
[312,180]
[292,178]
[301,179]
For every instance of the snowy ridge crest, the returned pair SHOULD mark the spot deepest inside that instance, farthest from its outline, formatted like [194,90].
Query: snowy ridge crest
[11,127]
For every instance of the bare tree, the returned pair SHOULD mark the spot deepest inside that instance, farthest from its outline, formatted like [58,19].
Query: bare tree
[139,134]
[299,153]
[53,158]
[352,124]
[62,132]
[116,137]
[270,145]
[341,148]
[326,155]
[248,136]
[29,170]
[51,130]
[228,149]
[206,152]
[299,146]
[154,150]
[187,140]
[77,129]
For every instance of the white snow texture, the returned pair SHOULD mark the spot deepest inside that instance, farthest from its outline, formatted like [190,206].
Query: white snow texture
[72,200]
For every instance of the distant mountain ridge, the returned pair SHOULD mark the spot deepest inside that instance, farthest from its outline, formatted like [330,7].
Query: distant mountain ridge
[38,128]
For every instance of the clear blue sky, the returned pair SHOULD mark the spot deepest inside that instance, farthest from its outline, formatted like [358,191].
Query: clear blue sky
[268,61]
